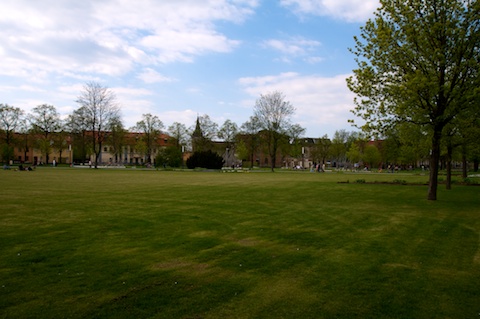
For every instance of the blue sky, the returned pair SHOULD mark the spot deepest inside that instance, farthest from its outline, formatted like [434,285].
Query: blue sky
[179,58]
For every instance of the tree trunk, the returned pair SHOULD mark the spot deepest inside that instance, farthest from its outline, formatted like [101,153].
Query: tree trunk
[251,161]
[97,154]
[273,150]
[434,161]
[448,166]
[464,166]
[274,159]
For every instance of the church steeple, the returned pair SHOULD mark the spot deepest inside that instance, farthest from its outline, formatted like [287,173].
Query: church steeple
[197,137]
[197,133]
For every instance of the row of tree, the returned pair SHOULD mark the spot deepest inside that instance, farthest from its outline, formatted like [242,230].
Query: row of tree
[98,112]
[97,122]
[404,146]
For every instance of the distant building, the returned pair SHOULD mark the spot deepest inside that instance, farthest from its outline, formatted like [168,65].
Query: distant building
[27,149]
[61,149]
[132,152]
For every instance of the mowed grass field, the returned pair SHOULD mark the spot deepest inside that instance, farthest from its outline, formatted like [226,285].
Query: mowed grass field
[81,243]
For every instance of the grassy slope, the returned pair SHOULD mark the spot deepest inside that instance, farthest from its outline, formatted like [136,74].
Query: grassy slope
[122,244]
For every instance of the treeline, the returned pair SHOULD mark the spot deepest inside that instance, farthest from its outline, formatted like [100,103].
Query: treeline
[404,146]
[97,123]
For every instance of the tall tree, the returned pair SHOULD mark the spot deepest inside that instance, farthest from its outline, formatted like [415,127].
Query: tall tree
[296,144]
[274,115]
[24,143]
[60,141]
[321,149]
[45,120]
[338,148]
[208,126]
[98,106]
[471,148]
[354,154]
[179,133]
[116,139]
[150,126]
[414,145]
[228,133]
[371,156]
[250,138]
[10,121]
[77,124]
[418,62]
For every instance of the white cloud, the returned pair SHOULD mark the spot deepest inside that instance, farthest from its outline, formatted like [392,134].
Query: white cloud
[151,76]
[173,45]
[349,10]
[133,102]
[314,59]
[110,37]
[322,103]
[127,92]
[187,117]
[23,88]
[294,47]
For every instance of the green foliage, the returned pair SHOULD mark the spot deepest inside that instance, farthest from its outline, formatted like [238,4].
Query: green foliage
[7,152]
[418,63]
[170,156]
[242,151]
[471,181]
[205,159]
[371,156]
[321,149]
[353,153]
[412,55]
[45,122]
[11,122]
[116,138]
[338,149]
[150,126]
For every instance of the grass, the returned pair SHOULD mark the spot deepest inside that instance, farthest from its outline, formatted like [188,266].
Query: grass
[79,243]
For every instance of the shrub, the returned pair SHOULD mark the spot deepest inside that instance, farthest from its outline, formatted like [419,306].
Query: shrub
[470,181]
[170,156]
[205,159]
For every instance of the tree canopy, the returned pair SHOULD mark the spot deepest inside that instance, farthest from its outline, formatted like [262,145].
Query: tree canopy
[10,121]
[418,62]
[99,109]
[151,126]
[274,114]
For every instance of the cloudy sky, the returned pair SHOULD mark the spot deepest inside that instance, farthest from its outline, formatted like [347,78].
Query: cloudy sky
[179,58]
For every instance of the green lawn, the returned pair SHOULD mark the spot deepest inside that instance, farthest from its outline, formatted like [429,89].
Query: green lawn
[81,243]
